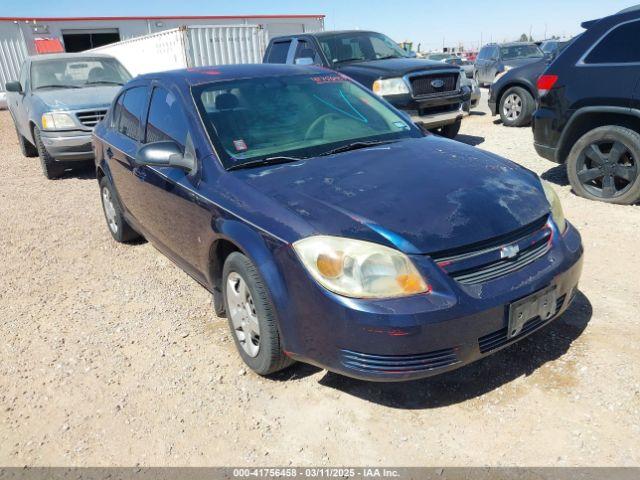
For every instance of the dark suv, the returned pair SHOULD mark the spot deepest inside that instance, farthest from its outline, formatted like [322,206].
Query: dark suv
[589,109]
[435,95]
[496,59]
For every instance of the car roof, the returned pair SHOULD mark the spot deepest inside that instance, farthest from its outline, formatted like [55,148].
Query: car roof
[220,73]
[53,56]
[630,13]
[325,33]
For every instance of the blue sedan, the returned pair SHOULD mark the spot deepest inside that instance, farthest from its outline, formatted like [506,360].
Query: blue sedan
[330,229]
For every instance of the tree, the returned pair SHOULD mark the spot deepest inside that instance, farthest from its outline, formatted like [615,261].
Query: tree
[524,37]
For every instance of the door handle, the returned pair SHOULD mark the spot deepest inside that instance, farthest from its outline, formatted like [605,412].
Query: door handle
[109,152]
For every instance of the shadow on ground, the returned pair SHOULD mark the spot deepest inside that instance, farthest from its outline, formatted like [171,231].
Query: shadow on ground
[84,172]
[472,140]
[476,113]
[478,378]
[557,175]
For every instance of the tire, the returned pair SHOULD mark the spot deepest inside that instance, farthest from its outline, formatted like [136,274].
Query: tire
[604,165]
[516,107]
[50,167]
[27,149]
[247,311]
[120,230]
[449,131]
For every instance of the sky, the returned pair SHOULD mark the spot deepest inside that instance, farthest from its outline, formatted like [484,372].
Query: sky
[430,23]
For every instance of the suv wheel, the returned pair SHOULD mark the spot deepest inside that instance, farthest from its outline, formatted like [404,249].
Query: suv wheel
[27,149]
[603,165]
[252,317]
[120,230]
[516,107]
[50,167]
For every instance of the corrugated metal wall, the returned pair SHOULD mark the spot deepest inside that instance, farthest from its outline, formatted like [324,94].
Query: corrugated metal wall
[12,52]
[225,45]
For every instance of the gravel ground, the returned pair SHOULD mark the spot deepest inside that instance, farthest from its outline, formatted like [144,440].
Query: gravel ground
[111,355]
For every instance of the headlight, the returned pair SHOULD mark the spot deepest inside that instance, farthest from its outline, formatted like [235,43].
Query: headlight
[57,121]
[506,69]
[358,269]
[556,206]
[390,86]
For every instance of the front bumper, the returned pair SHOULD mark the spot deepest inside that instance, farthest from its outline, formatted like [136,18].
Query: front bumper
[68,145]
[423,335]
[432,111]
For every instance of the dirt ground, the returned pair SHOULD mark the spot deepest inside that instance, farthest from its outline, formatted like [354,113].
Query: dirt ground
[111,355]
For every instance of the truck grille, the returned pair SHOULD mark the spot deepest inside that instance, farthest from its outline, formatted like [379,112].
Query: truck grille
[91,118]
[485,262]
[428,84]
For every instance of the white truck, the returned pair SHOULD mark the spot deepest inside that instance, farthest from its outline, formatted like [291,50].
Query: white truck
[188,47]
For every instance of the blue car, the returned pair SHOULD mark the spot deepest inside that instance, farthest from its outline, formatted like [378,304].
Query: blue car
[330,229]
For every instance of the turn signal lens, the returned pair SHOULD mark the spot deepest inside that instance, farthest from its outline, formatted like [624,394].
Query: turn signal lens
[411,283]
[330,265]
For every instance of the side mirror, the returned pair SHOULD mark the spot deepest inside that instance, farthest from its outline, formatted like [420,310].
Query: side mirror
[305,61]
[165,154]
[13,87]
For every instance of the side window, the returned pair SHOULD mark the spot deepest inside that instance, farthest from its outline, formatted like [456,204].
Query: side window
[306,50]
[621,45]
[117,110]
[167,120]
[278,52]
[131,112]
[24,75]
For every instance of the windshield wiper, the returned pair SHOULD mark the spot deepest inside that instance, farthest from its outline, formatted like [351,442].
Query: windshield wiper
[349,60]
[56,86]
[355,146]
[105,82]
[264,161]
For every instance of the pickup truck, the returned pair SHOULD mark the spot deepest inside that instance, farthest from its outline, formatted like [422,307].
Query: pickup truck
[57,101]
[436,96]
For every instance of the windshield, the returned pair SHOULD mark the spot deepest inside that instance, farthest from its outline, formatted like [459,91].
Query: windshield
[358,47]
[296,116]
[77,72]
[515,52]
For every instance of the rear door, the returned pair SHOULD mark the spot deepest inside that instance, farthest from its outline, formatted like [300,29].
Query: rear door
[121,145]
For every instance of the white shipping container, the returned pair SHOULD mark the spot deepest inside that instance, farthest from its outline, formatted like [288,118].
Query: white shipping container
[189,46]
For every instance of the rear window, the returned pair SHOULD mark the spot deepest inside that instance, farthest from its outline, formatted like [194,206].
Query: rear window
[621,45]
[278,52]
[514,52]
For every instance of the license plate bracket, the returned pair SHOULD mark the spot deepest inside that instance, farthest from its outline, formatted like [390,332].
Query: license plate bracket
[540,304]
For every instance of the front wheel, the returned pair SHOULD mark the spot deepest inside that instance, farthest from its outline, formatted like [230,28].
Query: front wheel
[50,168]
[516,107]
[603,165]
[449,131]
[252,317]
[26,148]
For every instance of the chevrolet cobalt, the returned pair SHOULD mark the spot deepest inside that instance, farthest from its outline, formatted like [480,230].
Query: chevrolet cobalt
[328,227]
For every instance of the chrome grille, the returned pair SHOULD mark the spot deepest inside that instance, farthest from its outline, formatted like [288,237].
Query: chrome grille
[91,118]
[426,84]
[485,262]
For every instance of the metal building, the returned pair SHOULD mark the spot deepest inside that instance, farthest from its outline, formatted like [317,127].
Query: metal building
[20,37]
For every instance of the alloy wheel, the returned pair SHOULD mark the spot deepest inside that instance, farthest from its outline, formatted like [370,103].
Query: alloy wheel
[607,169]
[512,107]
[109,210]
[242,313]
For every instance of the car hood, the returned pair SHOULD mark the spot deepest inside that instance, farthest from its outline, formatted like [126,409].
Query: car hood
[78,98]
[421,195]
[517,62]
[393,67]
